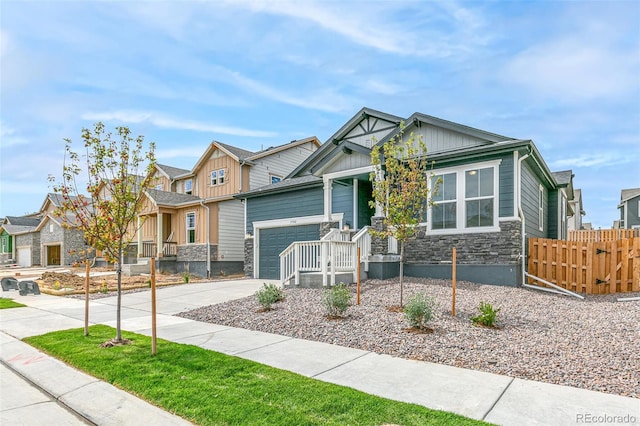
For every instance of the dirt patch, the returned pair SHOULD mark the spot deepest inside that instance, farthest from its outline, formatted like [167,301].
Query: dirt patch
[59,283]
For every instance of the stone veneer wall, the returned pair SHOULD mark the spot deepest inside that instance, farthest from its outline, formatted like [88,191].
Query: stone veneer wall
[326,227]
[74,247]
[196,252]
[379,246]
[497,248]
[248,257]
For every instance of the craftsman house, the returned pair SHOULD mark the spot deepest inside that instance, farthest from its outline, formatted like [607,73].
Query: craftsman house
[190,218]
[495,191]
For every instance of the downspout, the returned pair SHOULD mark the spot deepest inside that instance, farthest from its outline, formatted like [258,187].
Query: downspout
[208,240]
[521,215]
[555,289]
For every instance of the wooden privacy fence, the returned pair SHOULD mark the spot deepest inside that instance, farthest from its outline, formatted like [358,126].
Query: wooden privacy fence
[587,267]
[597,235]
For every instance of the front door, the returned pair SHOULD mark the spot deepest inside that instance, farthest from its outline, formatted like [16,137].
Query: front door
[53,255]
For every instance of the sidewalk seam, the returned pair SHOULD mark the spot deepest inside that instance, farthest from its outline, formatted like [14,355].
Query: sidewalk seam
[497,399]
[258,347]
[341,364]
[49,394]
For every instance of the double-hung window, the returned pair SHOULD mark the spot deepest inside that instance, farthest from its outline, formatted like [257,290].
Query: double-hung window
[217,177]
[191,227]
[188,186]
[465,199]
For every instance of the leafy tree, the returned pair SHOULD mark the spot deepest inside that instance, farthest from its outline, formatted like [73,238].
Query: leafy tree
[110,167]
[400,189]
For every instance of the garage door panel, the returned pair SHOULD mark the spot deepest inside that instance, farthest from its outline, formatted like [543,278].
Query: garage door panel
[24,256]
[274,240]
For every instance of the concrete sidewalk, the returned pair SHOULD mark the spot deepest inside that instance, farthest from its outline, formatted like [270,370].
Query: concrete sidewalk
[485,396]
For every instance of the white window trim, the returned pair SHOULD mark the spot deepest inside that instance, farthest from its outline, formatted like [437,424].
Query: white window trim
[541,197]
[638,208]
[186,223]
[217,172]
[460,199]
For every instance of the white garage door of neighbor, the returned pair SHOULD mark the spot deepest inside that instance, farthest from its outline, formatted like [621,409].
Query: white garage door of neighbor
[24,256]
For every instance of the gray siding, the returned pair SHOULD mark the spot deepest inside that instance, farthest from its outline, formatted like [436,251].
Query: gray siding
[506,185]
[307,202]
[347,162]
[342,201]
[553,225]
[632,213]
[280,164]
[441,140]
[231,231]
[530,184]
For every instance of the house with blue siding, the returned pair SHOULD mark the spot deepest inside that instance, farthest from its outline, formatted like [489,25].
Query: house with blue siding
[494,191]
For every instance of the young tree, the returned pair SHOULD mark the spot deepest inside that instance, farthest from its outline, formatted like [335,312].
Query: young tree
[110,166]
[400,189]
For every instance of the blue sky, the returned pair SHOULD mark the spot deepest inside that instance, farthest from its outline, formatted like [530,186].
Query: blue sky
[257,74]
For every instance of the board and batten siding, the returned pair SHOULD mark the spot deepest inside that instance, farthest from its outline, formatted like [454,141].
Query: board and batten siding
[202,181]
[506,185]
[530,186]
[307,202]
[354,160]
[278,164]
[440,140]
[231,231]
[342,200]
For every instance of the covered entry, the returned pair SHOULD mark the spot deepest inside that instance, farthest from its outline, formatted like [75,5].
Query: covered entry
[272,241]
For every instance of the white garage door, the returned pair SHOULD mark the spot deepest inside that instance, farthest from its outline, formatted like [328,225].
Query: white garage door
[24,256]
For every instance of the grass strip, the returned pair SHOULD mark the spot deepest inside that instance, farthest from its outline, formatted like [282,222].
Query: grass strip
[211,388]
[8,303]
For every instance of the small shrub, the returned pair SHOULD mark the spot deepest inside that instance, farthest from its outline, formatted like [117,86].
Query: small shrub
[336,300]
[186,274]
[487,315]
[56,285]
[268,295]
[419,310]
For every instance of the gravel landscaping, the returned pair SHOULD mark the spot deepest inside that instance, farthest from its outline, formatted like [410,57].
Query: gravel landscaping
[592,344]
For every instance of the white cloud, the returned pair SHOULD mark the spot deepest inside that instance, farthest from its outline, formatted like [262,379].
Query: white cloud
[577,68]
[164,122]
[592,160]
[8,136]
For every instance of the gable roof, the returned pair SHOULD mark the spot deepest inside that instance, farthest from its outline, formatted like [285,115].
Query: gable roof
[279,148]
[173,199]
[563,178]
[328,146]
[289,184]
[22,221]
[627,194]
[239,153]
[417,118]
[171,172]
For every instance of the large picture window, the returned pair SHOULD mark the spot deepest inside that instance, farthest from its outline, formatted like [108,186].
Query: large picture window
[465,199]
[191,228]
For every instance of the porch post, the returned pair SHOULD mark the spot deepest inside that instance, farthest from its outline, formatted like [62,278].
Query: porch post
[159,235]
[139,237]
[355,204]
[327,199]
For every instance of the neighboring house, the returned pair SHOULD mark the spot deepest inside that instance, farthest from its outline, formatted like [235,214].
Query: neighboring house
[561,200]
[629,208]
[575,205]
[190,218]
[61,242]
[494,191]
[20,241]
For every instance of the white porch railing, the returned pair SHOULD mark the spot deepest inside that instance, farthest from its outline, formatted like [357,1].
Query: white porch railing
[327,256]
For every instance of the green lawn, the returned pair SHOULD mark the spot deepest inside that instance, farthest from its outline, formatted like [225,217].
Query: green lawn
[208,387]
[8,303]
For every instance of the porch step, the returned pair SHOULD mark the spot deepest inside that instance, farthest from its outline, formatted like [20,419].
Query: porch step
[314,279]
[130,269]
